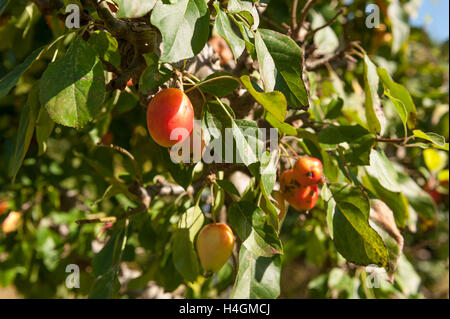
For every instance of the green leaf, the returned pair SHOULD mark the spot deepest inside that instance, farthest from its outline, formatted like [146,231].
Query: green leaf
[330,206]
[358,139]
[44,127]
[184,256]
[396,201]
[268,171]
[228,187]
[434,138]
[134,8]
[407,277]
[400,25]
[280,60]
[154,75]
[3,5]
[268,177]
[220,87]
[180,173]
[333,109]
[250,224]
[383,171]
[249,144]
[435,160]
[193,220]
[242,7]
[25,131]
[107,286]
[354,239]
[106,47]
[316,250]
[400,97]
[419,199]
[104,260]
[184,25]
[325,39]
[224,28]
[258,277]
[374,113]
[284,128]
[75,98]
[11,79]
[274,102]
[112,191]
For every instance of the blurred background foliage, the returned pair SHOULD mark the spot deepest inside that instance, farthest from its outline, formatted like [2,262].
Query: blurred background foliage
[68,181]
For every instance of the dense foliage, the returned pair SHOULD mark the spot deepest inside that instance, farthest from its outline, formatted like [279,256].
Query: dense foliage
[82,182]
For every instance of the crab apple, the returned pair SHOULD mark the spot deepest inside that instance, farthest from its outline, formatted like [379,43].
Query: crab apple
[287,181]
[215,244]
[303,197]
[130,82]
[108,138]
[11,222]
[3,207]
[170,117]
[308,171]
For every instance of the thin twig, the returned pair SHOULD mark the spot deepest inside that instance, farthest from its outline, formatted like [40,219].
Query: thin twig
[333,20]
[303,16]
[294,14]
[401,141]
[113,219]
[126,153]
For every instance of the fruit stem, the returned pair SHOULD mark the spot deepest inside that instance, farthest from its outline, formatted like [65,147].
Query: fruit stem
[129,155]
[213,213]
[193,83]
[287,154]
[291,148]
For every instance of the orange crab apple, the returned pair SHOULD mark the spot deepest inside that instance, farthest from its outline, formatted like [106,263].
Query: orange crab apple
[287,181]
[130,82]
[303,197]
[170,117]
[308,171]
[3,207]
[11,223]
[215,244]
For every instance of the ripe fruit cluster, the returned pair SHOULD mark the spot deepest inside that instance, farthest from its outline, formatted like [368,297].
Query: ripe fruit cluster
[215,244]
[299,185]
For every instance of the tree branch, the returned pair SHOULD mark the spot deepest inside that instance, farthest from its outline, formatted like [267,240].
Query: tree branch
[294,15]
[303,16]
[312,32]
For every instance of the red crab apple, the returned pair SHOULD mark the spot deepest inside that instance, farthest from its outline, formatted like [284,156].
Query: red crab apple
[170,117]
[3,207]
[287,181]
[130,82]
[308,171]
[215,244]
[303,197]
